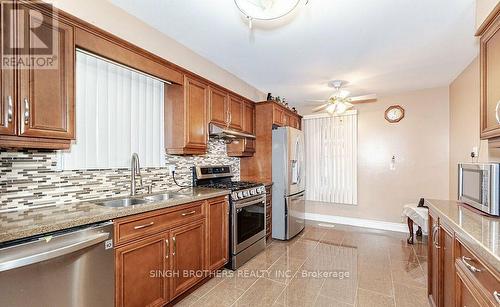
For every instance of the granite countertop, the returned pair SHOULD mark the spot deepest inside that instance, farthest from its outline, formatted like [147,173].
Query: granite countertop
[31,222]
[481,233]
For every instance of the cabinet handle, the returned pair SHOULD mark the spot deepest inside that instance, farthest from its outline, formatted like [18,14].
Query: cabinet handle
[497,116]
[471,268]
[230,117]
[175,246]
[9,110]
[188,213]
[26,111]
[496,295]
[167,248]
[144,226]
[435,238]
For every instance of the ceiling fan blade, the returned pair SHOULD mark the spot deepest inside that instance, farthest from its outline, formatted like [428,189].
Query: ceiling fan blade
[364,98]
[317,100]
[321,107]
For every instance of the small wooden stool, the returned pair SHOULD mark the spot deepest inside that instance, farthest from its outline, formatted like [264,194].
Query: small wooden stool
[418,215]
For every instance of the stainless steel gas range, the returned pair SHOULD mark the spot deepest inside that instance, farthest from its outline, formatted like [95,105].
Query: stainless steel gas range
[247,219]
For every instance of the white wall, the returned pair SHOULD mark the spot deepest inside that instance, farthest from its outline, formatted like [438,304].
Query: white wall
[420,143]
[113,19]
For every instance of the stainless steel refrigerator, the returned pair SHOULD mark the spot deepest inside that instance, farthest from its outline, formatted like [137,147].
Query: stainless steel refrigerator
[288,183]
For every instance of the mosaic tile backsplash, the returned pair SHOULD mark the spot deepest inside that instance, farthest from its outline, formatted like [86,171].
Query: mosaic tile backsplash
[31,178]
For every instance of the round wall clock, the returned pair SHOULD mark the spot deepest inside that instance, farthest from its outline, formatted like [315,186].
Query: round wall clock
[394,114]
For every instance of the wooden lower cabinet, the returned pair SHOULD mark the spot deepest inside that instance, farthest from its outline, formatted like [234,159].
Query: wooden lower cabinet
[446,242]
[155,268]
[134,263]
[188,256]
[218,233]
[456,276]
[433,286]
[269,213]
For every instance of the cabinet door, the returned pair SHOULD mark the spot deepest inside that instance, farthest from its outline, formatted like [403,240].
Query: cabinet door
[135,262]
[286,119]
[249,117]
[7,103]
[433,262]
[448,265]
[278,116]
[196,96]
[235,113]
[219,107]
[464,293]
[218,250]
[188,256]
[46,95]
[490,80]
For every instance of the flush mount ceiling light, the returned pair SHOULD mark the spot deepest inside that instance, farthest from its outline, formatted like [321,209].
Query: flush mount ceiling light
[266,10]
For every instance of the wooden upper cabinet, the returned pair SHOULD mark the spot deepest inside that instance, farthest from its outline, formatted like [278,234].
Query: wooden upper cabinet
[46,98]
[196,109]
[218,232]
[8,110]
[235,112]
[278,116]
[219,106]
[188,256]
[490,77]
[133,264]
[249,117]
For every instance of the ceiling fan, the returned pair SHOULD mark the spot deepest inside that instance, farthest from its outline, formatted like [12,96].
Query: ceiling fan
[340,101]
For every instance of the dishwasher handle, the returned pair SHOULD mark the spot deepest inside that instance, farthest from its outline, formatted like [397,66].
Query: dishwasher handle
[50,254]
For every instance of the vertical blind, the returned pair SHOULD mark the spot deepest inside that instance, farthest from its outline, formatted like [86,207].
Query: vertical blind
[331,158]
[119,111]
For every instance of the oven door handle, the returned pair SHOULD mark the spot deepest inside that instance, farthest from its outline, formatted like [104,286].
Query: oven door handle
[249,203]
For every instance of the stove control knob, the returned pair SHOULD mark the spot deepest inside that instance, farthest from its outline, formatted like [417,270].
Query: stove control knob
[240,194]
[253,191]
[246,194]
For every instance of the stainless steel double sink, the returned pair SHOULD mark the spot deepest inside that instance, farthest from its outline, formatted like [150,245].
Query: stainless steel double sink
[132,201]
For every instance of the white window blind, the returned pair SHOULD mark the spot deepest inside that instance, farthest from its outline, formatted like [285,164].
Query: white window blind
[119,111]
[331,158]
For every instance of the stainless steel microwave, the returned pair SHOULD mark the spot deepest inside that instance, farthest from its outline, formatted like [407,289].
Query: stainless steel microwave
[479,185]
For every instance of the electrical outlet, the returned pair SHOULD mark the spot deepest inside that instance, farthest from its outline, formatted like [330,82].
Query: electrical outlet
[171,168]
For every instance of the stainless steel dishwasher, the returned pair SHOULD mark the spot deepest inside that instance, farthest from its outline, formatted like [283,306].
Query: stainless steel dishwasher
[74,267]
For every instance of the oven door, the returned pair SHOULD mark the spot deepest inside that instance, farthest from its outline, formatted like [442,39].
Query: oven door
[249,222]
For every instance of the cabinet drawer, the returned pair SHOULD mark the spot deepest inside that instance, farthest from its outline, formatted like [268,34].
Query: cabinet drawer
[141,225]
[483,277]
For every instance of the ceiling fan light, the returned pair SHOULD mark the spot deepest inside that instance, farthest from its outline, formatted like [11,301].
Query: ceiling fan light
[331,109]
[341,108]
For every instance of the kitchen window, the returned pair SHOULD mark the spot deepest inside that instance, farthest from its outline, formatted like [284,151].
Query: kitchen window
[331,158]
[119,111]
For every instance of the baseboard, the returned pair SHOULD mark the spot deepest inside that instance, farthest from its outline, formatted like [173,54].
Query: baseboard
[352,221]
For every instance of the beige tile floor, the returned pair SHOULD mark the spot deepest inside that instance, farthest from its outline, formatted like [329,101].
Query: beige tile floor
[324,266]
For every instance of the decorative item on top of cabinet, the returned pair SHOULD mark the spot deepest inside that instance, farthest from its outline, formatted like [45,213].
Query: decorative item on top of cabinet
[186,126]
[489,33]
[38,106]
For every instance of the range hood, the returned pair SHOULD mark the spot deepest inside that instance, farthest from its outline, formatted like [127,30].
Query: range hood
[227,133]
